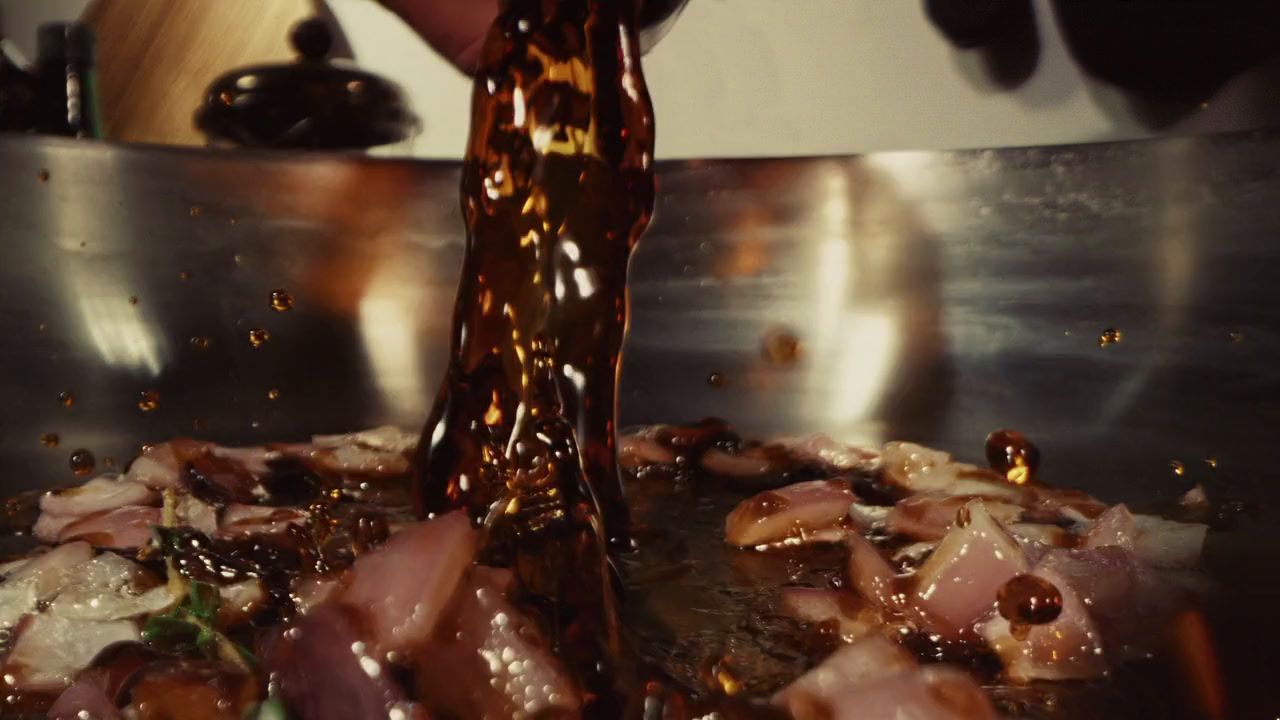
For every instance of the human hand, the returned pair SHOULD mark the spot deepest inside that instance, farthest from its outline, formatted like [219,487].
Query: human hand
[457,28]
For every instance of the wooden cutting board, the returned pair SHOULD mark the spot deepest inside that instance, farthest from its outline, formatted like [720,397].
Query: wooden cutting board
[156,57]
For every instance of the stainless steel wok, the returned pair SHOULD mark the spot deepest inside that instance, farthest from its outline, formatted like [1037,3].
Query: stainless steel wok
[935,296]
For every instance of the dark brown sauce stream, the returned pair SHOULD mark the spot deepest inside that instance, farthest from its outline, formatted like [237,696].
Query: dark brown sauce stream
[557,188]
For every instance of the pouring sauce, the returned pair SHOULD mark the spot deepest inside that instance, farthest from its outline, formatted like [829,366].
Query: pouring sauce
[557,188]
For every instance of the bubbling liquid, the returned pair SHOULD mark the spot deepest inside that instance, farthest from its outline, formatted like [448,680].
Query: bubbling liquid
[557,188]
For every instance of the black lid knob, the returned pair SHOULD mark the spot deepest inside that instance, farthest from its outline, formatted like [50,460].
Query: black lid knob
[311,104]
[312,39]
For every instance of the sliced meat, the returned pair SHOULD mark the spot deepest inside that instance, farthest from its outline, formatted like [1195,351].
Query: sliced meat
[110,587]
[749,463]
[957,585]
[838,611]
[125,528]
[820,449]
[639,450]
[388,438]
[324,670]
[101,493]
[220,481]
[50,649]
[159,466]
[799,513]
[403,587]
[489,661]
[51,570]
[930,516]
[918,469]
[380,451]
[190,511]
[867,518]
[259,519]
[256,460]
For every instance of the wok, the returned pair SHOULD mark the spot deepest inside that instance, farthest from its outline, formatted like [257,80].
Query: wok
[934,297]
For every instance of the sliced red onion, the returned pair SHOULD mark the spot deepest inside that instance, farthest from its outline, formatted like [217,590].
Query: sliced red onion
[873,679]
[848,614]
[1155,541]
[872,576]
[957,585]
[325,669]
[490,661]
[403,587]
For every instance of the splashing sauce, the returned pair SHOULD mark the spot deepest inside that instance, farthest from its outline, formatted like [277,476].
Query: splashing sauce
[557,188]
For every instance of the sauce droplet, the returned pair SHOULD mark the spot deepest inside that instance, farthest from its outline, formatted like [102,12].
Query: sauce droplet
[1177,467]
[148,401]
[273,394]
[1110,336]
[133,299]
[1235,336]
[238,258]
[82,462]
[255,424]
[781,347]
[50,440]
[196,211]
[1211,462]
[43,176]
[66,398]
[1029,600]
[184,275]
[281,300]
[1011,454]
[258,337]
[716,380]
[201,343]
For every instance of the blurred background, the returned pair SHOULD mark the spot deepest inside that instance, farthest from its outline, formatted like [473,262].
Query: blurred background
[753,77]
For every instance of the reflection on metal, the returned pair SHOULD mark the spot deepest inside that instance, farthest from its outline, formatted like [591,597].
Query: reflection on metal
[935,296]
[932,296]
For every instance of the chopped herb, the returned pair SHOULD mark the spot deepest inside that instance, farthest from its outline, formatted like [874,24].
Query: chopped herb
[190,628]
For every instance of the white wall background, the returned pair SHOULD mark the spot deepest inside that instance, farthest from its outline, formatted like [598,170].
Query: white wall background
[786,77]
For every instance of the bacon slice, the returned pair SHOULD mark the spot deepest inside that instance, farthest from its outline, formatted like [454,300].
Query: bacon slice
[803,512]
[125,528]
[51,649]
